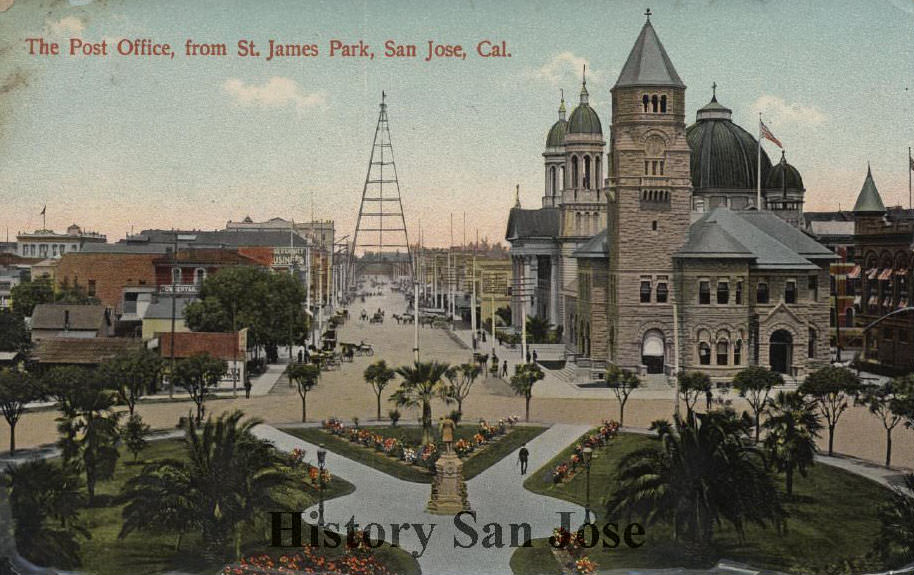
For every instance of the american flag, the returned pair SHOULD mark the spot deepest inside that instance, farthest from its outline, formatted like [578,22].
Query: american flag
[766,133]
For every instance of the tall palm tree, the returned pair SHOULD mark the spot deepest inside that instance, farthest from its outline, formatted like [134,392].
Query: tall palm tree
[228,474]
[422,382]
[705,471]
[792,427]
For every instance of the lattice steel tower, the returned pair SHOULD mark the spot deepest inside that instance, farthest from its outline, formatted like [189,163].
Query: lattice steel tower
[380,231]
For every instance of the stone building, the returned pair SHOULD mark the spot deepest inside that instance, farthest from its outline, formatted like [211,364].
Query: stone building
[666,264]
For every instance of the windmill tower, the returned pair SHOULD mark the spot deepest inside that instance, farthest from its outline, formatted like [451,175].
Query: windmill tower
[380,232]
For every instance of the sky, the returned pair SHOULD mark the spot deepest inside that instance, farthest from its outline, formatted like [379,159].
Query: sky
[126,142]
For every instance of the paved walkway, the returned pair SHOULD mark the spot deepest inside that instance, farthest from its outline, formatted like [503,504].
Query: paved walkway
[496,495]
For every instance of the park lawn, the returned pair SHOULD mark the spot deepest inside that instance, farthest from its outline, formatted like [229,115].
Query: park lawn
[832,518]
[478,461]
[148,553]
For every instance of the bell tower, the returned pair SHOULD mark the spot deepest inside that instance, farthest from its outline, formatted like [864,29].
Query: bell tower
[649,198]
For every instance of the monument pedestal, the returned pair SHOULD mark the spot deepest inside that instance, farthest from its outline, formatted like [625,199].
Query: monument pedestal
[449,491]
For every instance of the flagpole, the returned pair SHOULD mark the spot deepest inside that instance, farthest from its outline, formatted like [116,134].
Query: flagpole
[910,169]
[758,165]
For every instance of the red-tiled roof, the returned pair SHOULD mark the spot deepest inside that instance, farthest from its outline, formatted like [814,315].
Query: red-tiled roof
[216,344]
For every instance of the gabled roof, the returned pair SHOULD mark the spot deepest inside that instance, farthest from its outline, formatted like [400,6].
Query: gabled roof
[869,200]
[52,316]
[648,63]
[767,241]
[527,224]
[161,308]
[596,247]
[82,351]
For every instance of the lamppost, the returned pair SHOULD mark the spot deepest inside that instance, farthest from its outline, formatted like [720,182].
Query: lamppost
[321,461]
[587,455]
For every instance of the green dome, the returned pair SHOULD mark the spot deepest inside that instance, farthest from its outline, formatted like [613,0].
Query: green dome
[584,120]
[556,137]
[783,171]
[724,156]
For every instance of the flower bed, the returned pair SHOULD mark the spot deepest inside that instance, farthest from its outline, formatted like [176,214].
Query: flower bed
[421,455]
[563,472]
[353,562]
[297,457]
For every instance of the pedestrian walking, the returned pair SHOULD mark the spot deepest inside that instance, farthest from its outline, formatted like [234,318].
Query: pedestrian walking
[522,456]
[301,355]
[483,337]
[708,398]
[534,356]
[247,387]
[504,369]
[528,356]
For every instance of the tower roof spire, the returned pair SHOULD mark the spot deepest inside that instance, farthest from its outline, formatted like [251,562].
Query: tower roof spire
[648,63]
[562,105]
[517,195]
[869,200]
[584,93]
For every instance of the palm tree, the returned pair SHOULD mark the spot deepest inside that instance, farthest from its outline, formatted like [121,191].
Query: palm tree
[792,427]
[305,376]
[460,380]
[422,382]
[378,376]
[525,377]
[227,475]
[538,329]
[705,471]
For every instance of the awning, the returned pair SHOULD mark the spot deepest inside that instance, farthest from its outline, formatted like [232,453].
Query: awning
[854,273]
[871,273]
[886,274]
[858,299]
[902,272]
[874,300]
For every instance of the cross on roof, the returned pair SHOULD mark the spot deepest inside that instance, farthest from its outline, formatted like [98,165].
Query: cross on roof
[648,13]
[714,89]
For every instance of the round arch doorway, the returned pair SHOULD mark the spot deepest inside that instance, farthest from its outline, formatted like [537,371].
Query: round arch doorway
[780,351]
[652,351]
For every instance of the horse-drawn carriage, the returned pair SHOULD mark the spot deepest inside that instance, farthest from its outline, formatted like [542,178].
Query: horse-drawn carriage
[359,349]
[378,317]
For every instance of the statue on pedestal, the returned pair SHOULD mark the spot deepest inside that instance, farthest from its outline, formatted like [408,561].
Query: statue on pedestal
[449,491]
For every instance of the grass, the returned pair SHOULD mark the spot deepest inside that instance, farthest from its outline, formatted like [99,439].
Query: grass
[832,518]
[478,462]
[148,553]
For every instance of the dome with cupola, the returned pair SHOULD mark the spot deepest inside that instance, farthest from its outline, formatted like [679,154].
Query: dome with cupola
[584,119]
[556,136]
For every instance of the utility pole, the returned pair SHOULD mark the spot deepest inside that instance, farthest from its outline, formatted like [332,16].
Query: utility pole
[174,266]
[473,297]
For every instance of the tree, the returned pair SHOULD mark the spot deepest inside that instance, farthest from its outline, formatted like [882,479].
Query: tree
[13,334]
[27,295]
[460,380]
[538,329]
[623,382]
[17,389]
[525,376]
[228,474]
[888,401]
[504,314]
[378,376]
[704,472]
[895,543]
[754,385]
[270,305]
[422,382]
[693,385]
[198,375]
[45,501]
[832,388]
[305,376]
[132,374]
[88,426]
[134,434]
[792,427]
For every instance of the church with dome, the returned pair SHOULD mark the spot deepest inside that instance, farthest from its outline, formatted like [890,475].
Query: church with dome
[653,253]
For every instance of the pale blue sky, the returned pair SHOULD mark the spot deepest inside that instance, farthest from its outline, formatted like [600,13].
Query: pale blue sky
[120,141]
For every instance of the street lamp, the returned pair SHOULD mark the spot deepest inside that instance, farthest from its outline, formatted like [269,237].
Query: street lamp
[321,461]
[587,456]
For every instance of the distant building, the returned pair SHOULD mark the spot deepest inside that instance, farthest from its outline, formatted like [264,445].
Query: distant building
[10,278]
[85,352]
[320,232]
[49,244]
[52,320]
[157,315]
[229,347]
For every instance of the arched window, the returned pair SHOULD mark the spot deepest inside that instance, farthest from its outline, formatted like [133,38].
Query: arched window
[553,185]
[199,276]
[704,353]
[723,352]
[738,352]
[654,103]
[598,175]
[700,205]
[577,223]
[176,275]
[761,293]
[645,101]
[662,292]
[587,172]
[574,171]
[663,104]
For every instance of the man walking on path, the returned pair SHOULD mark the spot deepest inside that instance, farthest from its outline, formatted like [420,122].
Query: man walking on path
[708,398]
[522,457]
[528,356]
[534,356]
[504,369]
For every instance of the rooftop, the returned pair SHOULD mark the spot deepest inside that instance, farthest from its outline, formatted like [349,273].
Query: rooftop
[648,63]
[75,317]
[82,351]
[217,344]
